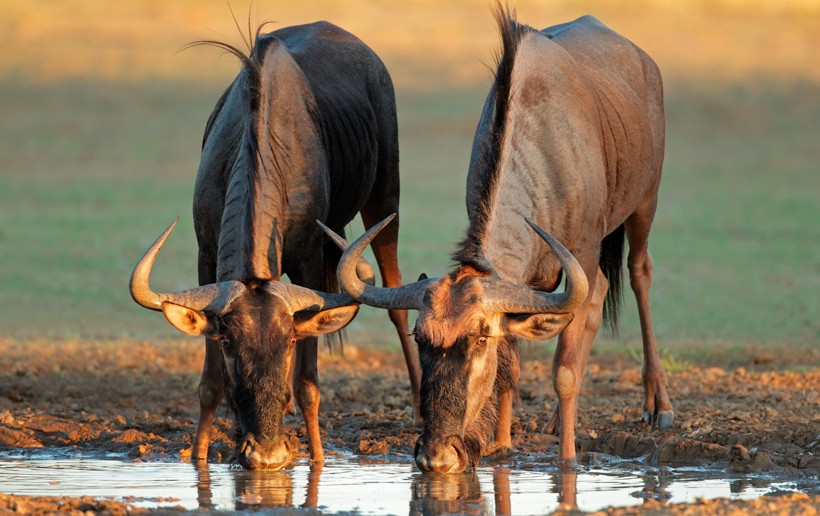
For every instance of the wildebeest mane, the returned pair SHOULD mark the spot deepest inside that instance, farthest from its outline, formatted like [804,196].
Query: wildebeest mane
[250,91]
[249,88]
[512,32]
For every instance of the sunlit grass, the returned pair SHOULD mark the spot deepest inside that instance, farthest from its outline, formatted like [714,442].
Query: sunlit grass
[102,123]
[672,361]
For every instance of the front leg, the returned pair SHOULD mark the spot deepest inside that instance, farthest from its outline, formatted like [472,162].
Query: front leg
[570,361]
[305,370]
[210,395]
[506,387]
[306,387]
[594,315]
[566,379]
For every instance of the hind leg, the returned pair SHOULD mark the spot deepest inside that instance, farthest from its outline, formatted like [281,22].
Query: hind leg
[656,405]
[385,249]
[384,200]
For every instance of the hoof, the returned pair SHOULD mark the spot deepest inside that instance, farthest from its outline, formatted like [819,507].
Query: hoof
[498,451]
[665,419]
[662,419]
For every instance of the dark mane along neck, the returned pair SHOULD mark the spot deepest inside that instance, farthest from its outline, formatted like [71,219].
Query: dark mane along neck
[469,250]
[259,264]
[249,223]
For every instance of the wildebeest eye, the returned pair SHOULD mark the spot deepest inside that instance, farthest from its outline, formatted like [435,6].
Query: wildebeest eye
[226,344]
[482,341]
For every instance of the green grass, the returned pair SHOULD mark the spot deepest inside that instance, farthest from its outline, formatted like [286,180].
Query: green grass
[93,171]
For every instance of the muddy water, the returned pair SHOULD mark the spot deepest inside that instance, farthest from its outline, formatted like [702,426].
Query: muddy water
[369,487]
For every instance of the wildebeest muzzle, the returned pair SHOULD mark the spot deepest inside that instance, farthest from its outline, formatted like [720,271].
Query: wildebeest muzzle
[254,455]
[441,455]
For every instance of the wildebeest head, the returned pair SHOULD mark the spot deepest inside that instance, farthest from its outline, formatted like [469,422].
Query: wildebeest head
[257,325]
[464,324]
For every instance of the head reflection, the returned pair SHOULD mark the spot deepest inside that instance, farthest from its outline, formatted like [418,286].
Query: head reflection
[258,489]
[447,493]
[430,493]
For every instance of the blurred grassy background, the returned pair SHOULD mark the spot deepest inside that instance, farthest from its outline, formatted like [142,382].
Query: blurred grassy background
[102,118]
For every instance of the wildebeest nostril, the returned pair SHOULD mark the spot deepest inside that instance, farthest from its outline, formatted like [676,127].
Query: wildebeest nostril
[256,456]
[441,455]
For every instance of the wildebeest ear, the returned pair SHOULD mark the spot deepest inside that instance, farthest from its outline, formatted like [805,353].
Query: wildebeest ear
[536,326]
[309,324]
[185,319]
[422,277]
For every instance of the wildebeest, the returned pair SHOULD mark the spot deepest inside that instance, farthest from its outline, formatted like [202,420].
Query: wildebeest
[307,131]
[571,136]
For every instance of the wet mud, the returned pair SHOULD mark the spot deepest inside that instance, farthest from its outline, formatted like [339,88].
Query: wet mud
[137,399]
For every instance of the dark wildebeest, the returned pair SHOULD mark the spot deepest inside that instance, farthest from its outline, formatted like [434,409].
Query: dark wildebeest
[306,131]
[572,136]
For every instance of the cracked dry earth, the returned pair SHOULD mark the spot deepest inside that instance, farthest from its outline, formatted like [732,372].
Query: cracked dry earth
[138,398]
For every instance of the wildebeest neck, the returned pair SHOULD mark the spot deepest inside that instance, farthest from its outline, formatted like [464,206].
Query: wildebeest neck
[484,162]
[274,178]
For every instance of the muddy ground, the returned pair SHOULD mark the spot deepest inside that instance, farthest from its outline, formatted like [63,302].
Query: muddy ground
[756,414]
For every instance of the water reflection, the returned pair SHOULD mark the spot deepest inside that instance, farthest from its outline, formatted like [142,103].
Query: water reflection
[355,486]
[438,493]
[655,488]
[566,484]
[259,489]
[429,493]
[312,492]
[501,488]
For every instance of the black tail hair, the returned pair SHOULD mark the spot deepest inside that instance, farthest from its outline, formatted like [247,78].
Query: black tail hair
[611,262]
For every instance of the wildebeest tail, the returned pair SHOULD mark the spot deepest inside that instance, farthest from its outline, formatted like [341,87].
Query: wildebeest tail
[611,262]
[331,255]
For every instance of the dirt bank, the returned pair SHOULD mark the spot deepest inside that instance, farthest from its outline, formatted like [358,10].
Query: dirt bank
[139,398]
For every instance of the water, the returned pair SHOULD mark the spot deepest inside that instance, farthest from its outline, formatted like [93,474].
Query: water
[364,486]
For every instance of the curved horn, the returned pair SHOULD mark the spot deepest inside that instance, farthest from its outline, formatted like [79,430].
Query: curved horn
[299,298]
[406,297]
[363,269]
[215,297]
[502,296]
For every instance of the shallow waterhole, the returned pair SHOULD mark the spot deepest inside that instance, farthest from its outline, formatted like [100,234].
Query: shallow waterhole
[367,486]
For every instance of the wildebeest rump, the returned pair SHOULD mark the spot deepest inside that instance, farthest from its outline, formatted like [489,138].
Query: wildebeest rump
[571,136]
[307,131]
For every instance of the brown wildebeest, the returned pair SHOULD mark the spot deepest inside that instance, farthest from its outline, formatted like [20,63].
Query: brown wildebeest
[306,131]
[572,136]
